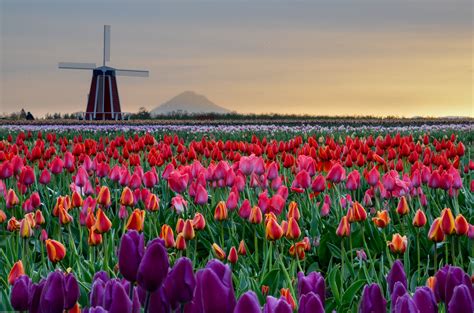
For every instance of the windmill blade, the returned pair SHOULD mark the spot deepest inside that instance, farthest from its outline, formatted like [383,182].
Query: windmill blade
[76,66]
[134,73]
[106,43]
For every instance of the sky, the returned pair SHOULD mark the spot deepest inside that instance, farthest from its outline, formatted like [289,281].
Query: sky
[378,57]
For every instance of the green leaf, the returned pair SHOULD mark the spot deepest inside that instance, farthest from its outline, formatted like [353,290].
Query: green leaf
[334,275]
[349,293]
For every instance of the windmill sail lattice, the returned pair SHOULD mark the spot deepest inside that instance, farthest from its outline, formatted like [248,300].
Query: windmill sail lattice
[103,101]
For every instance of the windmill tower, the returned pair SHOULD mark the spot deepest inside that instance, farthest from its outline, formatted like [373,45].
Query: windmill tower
[103,102]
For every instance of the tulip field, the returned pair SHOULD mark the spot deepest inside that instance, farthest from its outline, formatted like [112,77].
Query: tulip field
[244,219]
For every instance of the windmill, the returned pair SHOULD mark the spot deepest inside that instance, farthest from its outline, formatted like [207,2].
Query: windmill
[103,102]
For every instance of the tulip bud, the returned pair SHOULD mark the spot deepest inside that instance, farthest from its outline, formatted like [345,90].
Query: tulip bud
[64,217]
[431,283]
[293,211]
[420,218]
[435,233]
[179,204]
[293,232]
[44,235]
[233,257]
[11,199]
[136,220]
[20,293]
[180,284]
[16,271]
[461,225]
[396,274]
[13,224]
[255,216]
[167,235]
[104,197]
[95,238]
[398,244]
[402,208]
[179,225]
[220,213]
[219,253]
[188,230]
[102,224]
[286,294]
[356,213]
[76,200]
[127,198]
[199,223]
[152,202]
[25,228]
[344,228]
[53,294]
[153,267]
[298,250]
[242,250]
[382,219]
[447,222]
[273,231]
[56,250]
[3,217]
[248,303]
[180,242]
[462,300]
[39,218]
[265,290]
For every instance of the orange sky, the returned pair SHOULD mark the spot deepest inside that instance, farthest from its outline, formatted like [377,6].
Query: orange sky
[378,58]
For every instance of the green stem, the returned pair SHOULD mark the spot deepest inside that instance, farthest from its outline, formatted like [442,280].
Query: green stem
[418,252]
[342,262]
[453,257]
[446,244]
[256,244]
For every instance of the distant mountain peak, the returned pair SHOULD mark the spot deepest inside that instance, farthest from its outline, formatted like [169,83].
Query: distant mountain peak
[189,102]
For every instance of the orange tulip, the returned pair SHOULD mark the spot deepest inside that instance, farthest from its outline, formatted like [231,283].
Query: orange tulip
[285,293]
[180,242]
[76,200]
[273,231]
[265,290]
[220,213]
[152,202]
[11,199]
[90,218]
[188,230]
[242,250]
[64,217]
[344,228]
[25,228]
[447,222]
[179,225]
[127,198]
[293,211]
[233,257]
[255,216]
[3,217]
[461,225]
[102,222]
[16,271]
[167,235]
[269,216]
[298,250]
[435,233]
[420,218]
[104,196]
[95,238]
[382,219]
[220,254]
[136,220]
[357,213]
[13,224]
[56,250]
[431,283]
[402,207]
[199,223]
[293,232]
[31,219]
[398,244]
[39,218]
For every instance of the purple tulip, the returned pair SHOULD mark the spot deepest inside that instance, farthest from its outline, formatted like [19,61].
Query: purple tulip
[372,300]
[447,278]
[102,275]
[461,301]
[248,303]
[116,298]
[52,296]
[310,303]
[396,274]
[154,266]
[405,304]
[97,309]
[180,284]
[71,291]
[425,300]
[275,305]
[130,254]
[35,296]
[158,302]
[313,282]
[96,296]
[19,295]
[398,291]
[217,291]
